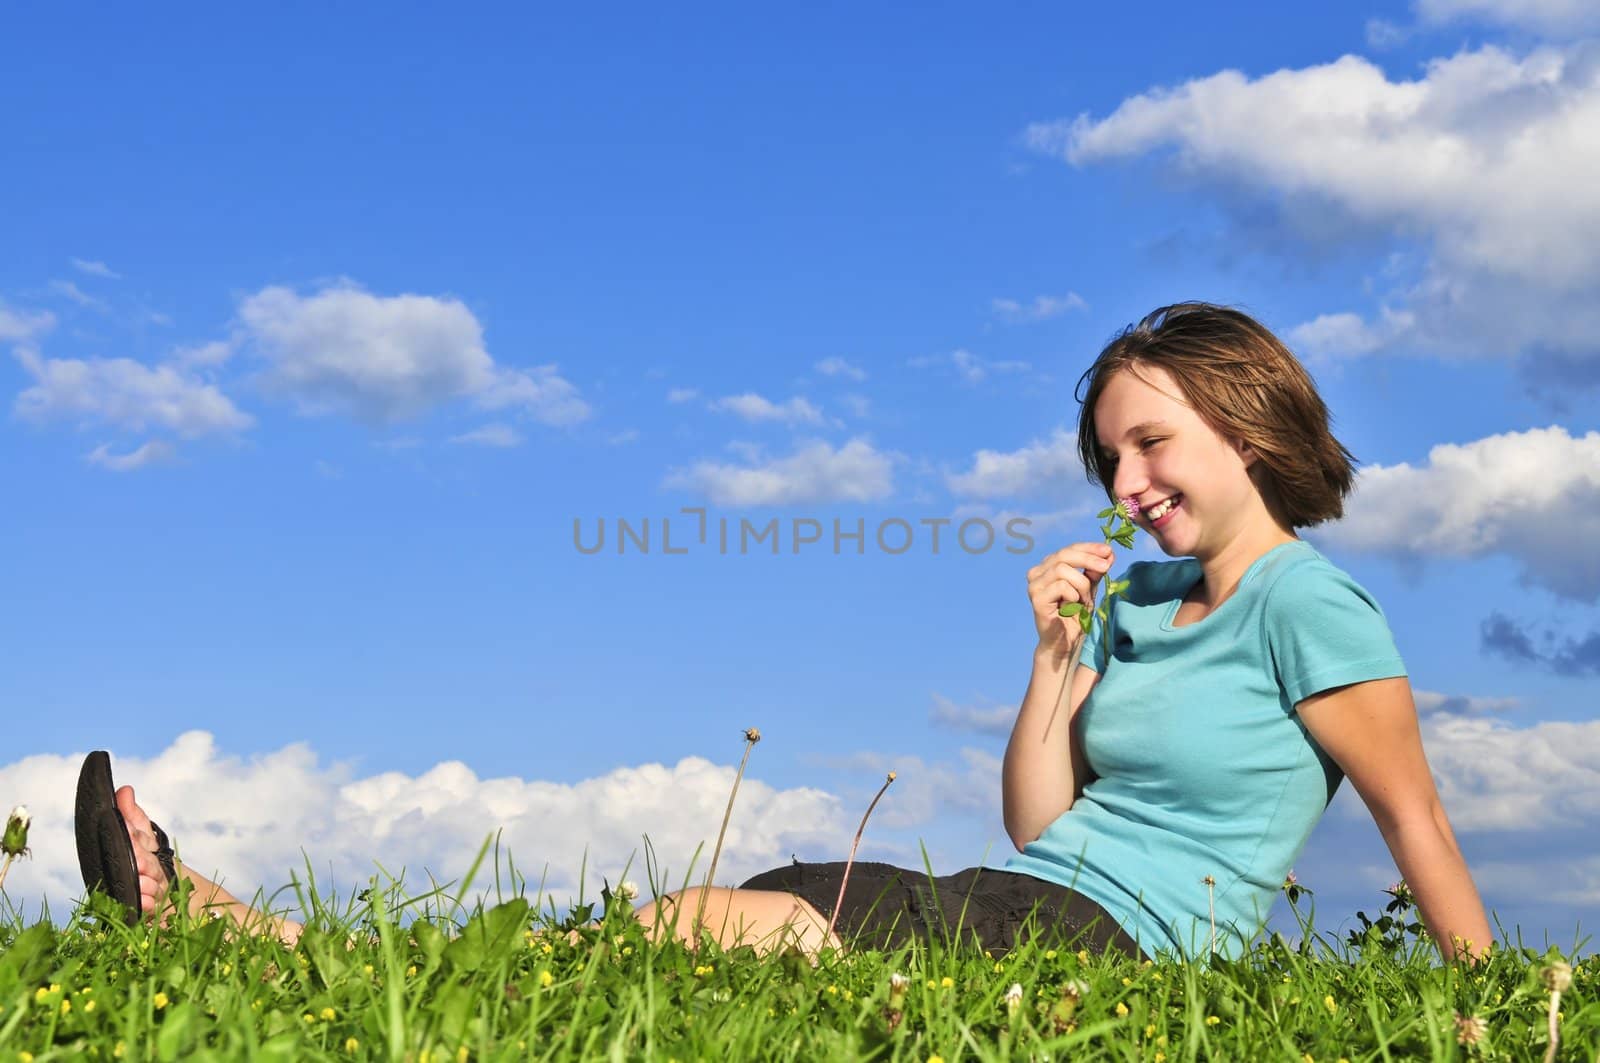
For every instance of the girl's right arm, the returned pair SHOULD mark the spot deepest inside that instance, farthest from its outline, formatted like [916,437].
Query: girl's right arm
[1044,769]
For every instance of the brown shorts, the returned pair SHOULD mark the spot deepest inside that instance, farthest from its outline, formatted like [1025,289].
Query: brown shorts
[886,906]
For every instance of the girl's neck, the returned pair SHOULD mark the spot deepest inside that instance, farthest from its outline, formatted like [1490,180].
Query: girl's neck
[1223,571]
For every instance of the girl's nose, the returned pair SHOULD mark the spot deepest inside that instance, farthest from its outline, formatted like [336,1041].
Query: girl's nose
[1129,480]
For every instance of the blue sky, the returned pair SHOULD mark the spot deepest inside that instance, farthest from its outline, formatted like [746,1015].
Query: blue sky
[321,330]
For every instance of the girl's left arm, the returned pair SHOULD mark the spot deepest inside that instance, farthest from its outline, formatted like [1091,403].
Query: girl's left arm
[1370,730]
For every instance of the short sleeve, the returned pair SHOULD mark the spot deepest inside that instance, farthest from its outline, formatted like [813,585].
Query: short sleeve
[1323,630]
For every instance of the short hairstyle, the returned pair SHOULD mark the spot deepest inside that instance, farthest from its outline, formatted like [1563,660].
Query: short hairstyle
[1246,385]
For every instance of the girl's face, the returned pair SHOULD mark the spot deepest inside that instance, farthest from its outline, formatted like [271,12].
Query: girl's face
[1193,486]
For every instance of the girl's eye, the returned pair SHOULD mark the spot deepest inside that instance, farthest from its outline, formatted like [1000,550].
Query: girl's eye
[1146,444]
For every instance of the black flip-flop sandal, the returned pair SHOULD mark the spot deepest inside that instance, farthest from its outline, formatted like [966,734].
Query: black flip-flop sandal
[105,852]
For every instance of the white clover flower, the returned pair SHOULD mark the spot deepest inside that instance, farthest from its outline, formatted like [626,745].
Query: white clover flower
[627,890]
[1013,996]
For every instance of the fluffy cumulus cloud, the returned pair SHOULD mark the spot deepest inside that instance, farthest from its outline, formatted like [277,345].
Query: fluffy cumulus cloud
[1042,467]
[386,358]
[1486,167]
[250,819]
[1495,777]
[816,472]
[1532,496]
[123,393]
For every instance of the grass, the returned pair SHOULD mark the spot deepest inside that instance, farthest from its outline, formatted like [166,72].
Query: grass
[389,977]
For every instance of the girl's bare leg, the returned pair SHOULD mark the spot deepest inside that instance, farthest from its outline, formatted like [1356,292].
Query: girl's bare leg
[763,919]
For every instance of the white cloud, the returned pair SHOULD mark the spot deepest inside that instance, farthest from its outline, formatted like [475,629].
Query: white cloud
[815,472]
[24,325]
[1346,334]
[1532,496]
[95,269]
[491,435]
[676,395]
[1553,16]
[125,393]
[149,453]
[1493,777]
[755,408]
[1487,161]
[1041,308]
[387,358]
[971,368]
[836,366]
[1430,701]
[1039,467]
[541,391]
[250,819]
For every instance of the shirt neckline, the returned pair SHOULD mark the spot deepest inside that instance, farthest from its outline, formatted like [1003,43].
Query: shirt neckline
[1249,574]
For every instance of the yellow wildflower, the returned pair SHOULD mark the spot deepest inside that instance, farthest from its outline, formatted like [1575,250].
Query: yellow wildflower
[1329,1003]
[160,1001]
[1212,1020]
[947,982]
[351,1044]
[1122,1010]
[1083,955]
[1049,954]
[88,1005]
[328,1014]
[66,1006]
[546,979]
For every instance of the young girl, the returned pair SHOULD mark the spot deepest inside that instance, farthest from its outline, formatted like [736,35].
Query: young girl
[1158,800]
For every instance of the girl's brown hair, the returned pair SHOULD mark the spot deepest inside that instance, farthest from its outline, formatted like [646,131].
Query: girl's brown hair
[1245,383]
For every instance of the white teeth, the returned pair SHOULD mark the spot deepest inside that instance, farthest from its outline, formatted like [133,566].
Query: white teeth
[1161,509]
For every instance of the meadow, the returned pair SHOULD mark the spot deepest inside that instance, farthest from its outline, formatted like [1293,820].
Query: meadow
[384,975]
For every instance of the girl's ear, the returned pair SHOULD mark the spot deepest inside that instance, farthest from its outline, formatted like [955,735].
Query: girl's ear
[1247,453]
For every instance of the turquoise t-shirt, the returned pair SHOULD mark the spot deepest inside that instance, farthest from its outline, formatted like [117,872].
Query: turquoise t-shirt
[1202,766]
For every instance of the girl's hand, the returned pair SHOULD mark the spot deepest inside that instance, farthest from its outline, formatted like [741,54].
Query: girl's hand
[1069,575]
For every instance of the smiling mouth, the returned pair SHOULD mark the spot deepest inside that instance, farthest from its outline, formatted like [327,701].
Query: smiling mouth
[1162,508]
